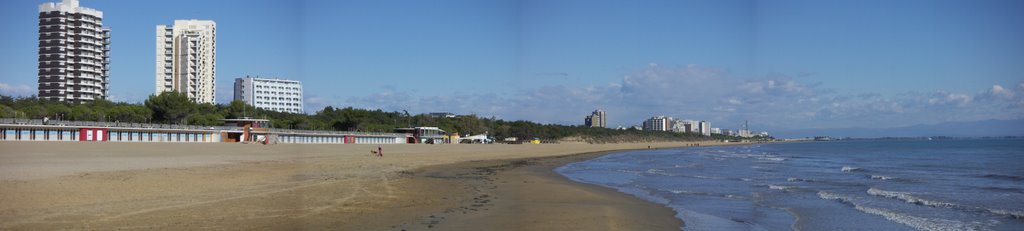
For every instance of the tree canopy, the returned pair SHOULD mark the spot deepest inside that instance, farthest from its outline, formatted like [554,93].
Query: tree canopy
[176,108]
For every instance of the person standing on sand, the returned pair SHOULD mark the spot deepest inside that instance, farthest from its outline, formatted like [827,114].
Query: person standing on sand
[380,152]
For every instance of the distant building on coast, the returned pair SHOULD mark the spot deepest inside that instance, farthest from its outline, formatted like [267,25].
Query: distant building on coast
[441,114]
[74,53]
[658,123]
[704,128]
[186,59]
[597,119]
[683,125]
[716,131]
[280,95]
[745,131]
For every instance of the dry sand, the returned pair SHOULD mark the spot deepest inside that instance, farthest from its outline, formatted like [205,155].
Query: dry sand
[104,186]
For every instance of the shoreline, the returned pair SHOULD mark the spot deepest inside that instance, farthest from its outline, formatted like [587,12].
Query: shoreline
[527,194]
[234,186]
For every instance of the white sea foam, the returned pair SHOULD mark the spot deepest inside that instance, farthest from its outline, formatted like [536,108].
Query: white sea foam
[655,171]
[880,177]
[708,194]
[832,196]
[907,197]
[1015,214]
[772,158]
[850,169]
[919,223]
[781,187]
[710,177]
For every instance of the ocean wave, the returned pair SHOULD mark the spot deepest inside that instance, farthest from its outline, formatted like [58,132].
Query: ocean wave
[771,158]
[763,168]
[907,197]
[1001,189]
[832,196]
[709,177]
[920,223]
[851,169]
[1015,214]
[781,187]
[629,171]
[883,178]
[730,196]
[1004,177]
[655,171]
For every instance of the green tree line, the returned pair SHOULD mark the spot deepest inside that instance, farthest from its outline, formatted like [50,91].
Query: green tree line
[176,108]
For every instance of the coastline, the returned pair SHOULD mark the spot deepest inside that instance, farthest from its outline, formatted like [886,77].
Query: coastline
[217,186]
[527,194]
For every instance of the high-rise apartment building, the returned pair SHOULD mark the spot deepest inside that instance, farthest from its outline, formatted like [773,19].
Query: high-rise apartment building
[279,95]
[596,119]
[74,53]
[683,126]
[704,127]
[186,59]
[658,123]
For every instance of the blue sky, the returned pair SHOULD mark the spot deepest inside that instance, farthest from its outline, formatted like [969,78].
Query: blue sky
[780,64]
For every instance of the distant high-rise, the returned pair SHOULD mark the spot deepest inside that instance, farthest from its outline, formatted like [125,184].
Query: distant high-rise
[280,95]
[683,125]
[704,127]
[74,53]
[597,119]
[658,123]
[745,131]
[186,59]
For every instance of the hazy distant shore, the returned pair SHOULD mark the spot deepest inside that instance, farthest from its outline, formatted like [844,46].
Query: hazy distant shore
[58,185]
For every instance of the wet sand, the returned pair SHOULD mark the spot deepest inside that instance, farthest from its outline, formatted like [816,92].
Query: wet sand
[77,185]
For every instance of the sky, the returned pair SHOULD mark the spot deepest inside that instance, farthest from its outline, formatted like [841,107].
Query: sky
[782,65]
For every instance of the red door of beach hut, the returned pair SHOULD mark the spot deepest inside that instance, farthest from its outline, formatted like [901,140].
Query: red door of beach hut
[92,134]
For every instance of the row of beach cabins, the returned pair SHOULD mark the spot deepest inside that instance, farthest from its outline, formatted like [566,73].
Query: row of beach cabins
[234,130]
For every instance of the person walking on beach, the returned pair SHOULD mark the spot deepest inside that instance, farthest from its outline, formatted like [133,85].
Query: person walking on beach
[380,152]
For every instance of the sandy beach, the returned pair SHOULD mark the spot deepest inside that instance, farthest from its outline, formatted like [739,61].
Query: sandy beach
[74,185]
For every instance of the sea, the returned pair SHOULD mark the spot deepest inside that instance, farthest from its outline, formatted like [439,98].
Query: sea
[949,184]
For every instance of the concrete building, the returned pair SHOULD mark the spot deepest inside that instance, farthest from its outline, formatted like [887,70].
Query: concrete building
[683,126]
[745,131]
[597,119]
[280,95]
[441,114]
[716,131]
[704,128]
[186,59]
[658,123]
[74,53]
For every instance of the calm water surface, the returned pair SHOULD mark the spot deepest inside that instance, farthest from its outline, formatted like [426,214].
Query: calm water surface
[841,185]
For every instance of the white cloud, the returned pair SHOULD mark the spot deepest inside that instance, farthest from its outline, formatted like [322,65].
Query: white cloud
[950,98]
[775,101]
[18,90]
[1000,92]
